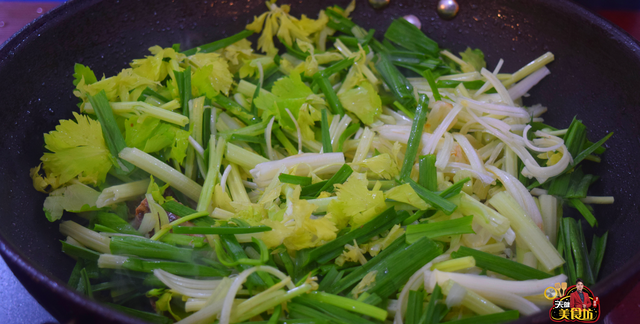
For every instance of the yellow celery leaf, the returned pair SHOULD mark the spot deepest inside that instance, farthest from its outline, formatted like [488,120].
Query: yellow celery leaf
[382,165]
[213,76]
[278,233]
[288,31]
[253,214]
[76,197]
[157,192]
[77,149]
[238,51]
[353,253]
[554,158]
[374,247]
[311,26]
[355,203]
[363,101]
[221,199]
[265,42]
[308,231]
[404,193]
[40,183]
[256,25]
[364,284]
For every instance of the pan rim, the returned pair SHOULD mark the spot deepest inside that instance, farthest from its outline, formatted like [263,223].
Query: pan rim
[17,261]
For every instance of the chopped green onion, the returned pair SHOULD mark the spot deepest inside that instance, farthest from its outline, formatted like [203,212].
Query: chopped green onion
[293,179]
[411,37]
[379,224]
[414,306]
[402,108]
[584,211]
[183,79]
[414,138]
[219,44]
[397,82]
[511,269]
[455,189]
[235,109]
[433,199]
[326,137]
[598,246]
[590,149]
[112,135]
[336,67]
[432,83]
[146,248]
[334,103]
[115,223]
[428,173]
[433,230]
[340,285]
[348,304]
[400,266]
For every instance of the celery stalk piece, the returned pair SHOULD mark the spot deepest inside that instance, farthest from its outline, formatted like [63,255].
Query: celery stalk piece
[216,150]
[162,171]
[123,192]
[533,66]
[472,300]
[527,230]
[87,237]
[129,107]
[262,173]
[245,159]
[484,216]
[236,187]
[500,265]
[549,212]
[455,264]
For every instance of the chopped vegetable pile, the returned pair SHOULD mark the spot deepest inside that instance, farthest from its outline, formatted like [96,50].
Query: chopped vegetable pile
[343,179]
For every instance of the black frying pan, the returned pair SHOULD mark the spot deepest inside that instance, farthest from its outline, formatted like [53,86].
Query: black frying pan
[594,76]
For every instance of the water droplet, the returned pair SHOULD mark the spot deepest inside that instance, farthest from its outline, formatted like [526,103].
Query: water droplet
[39,10]
[1,24]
